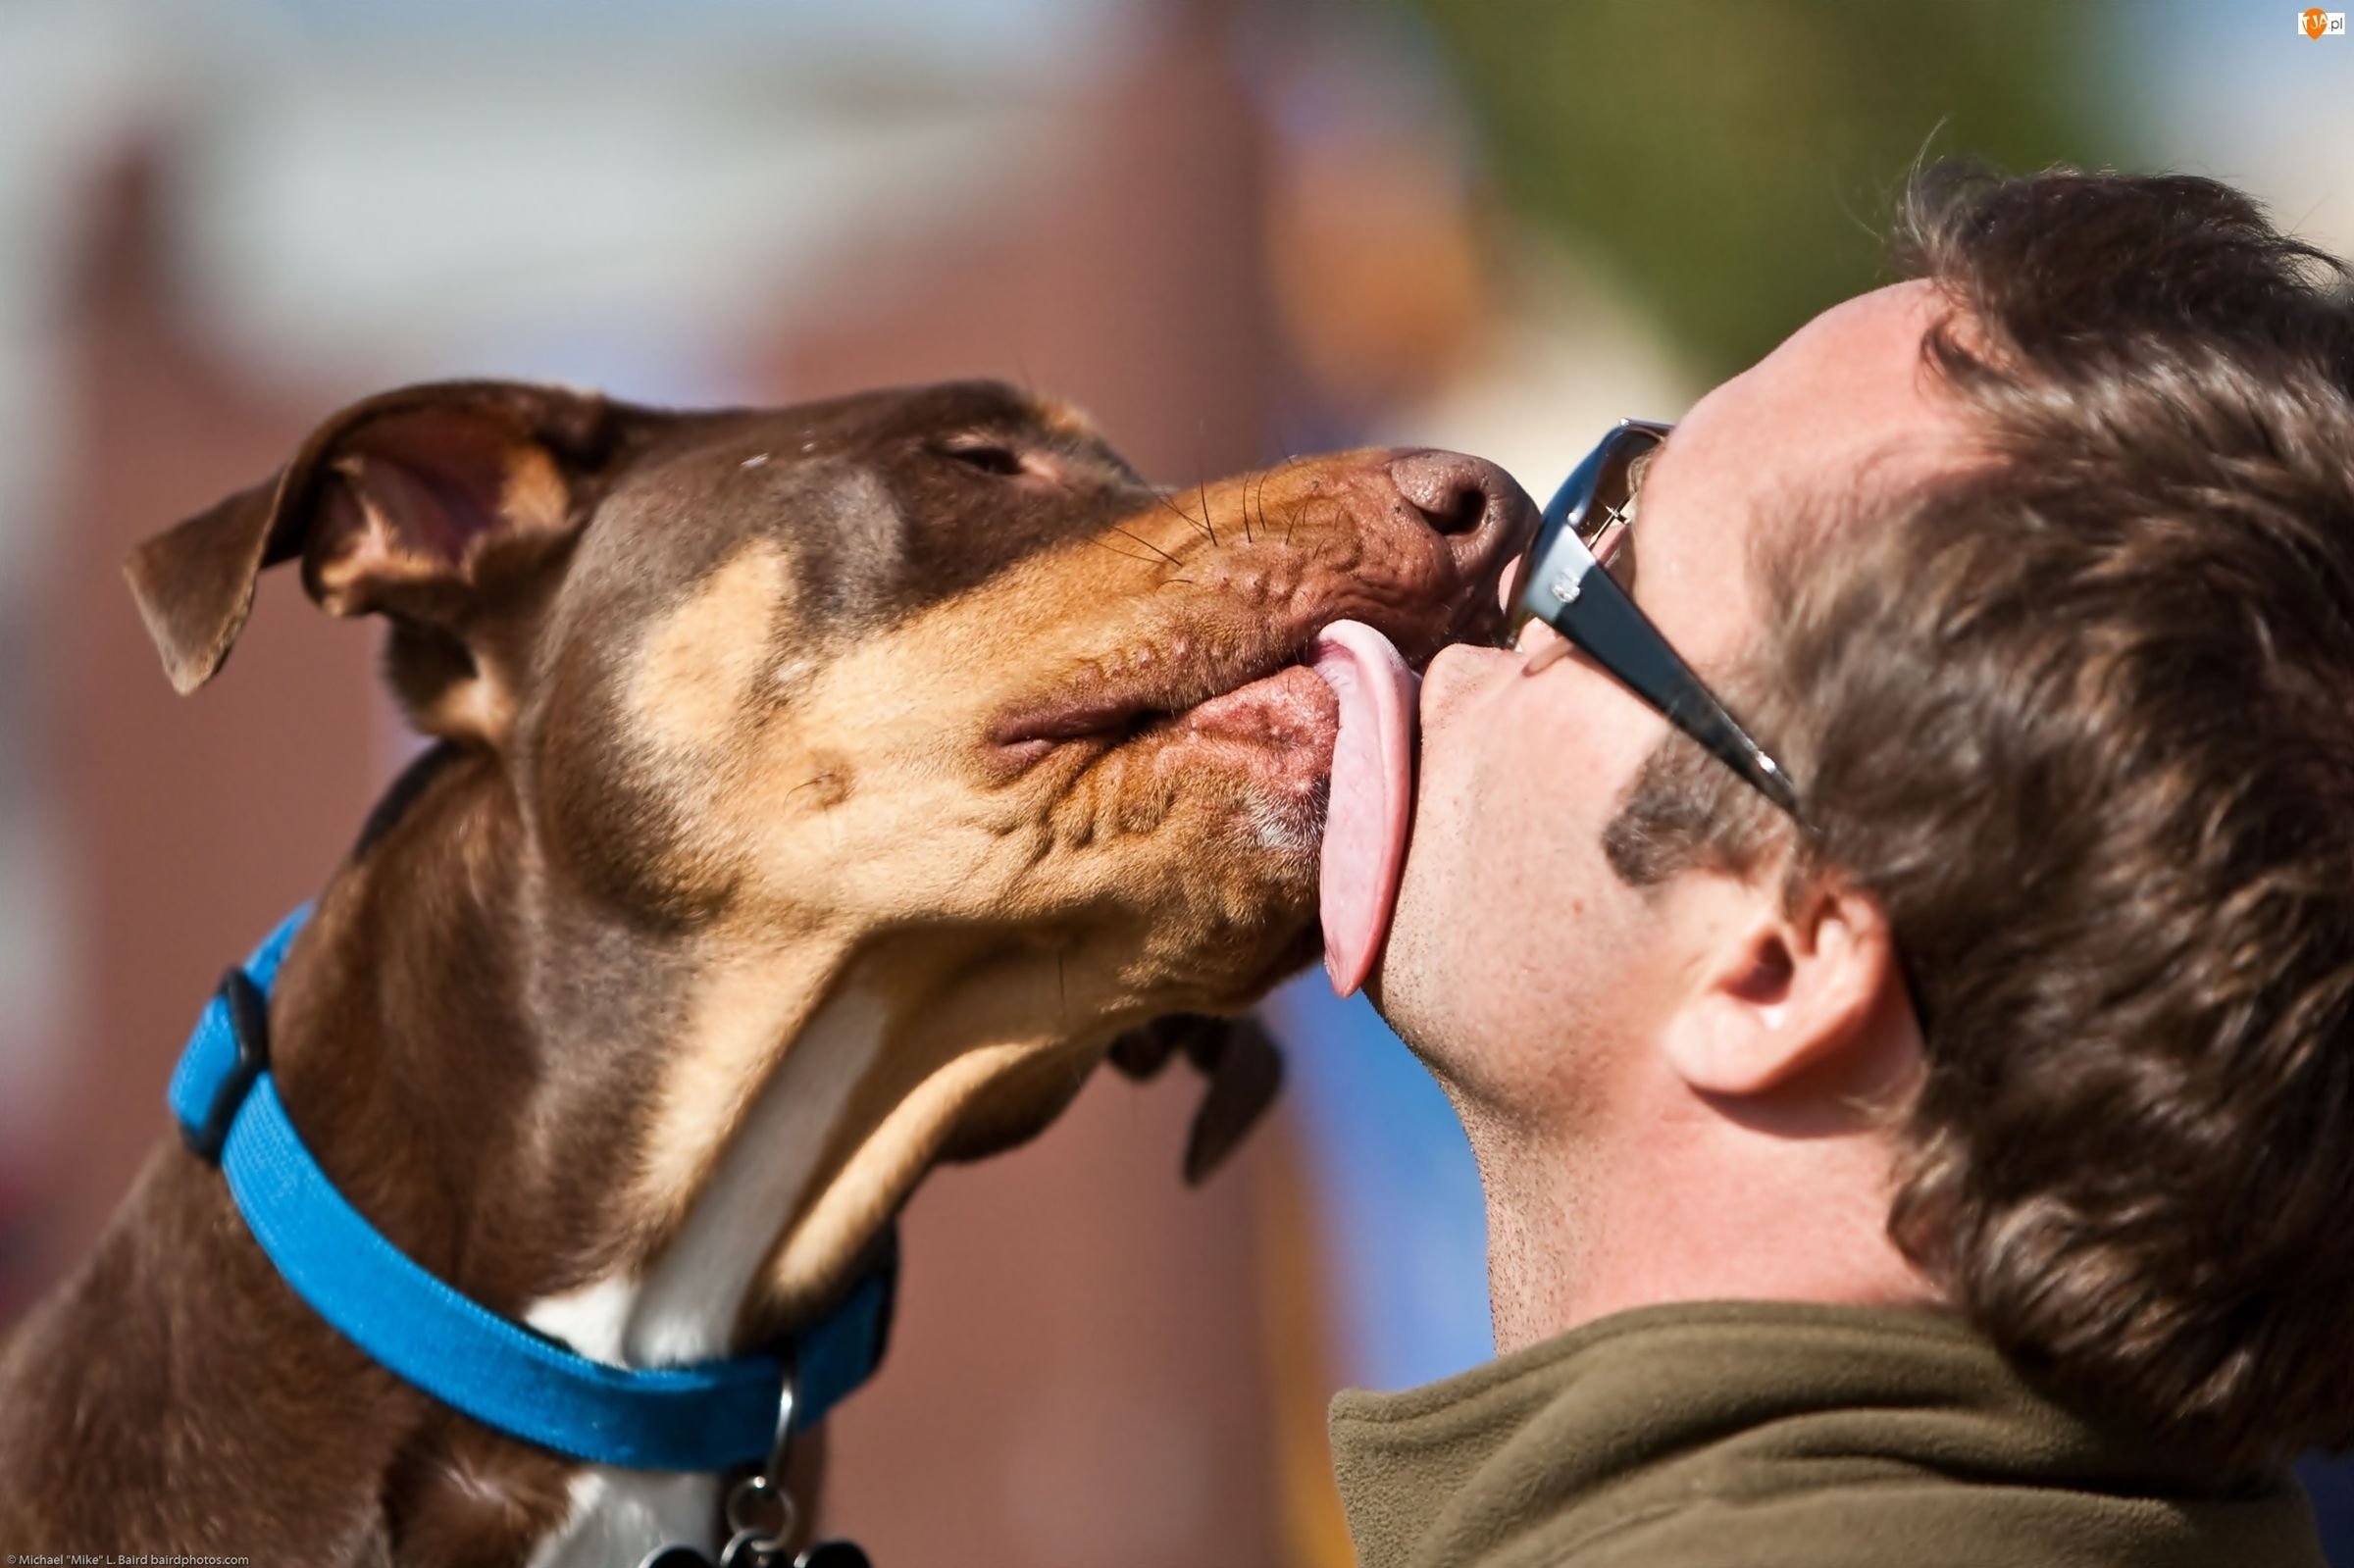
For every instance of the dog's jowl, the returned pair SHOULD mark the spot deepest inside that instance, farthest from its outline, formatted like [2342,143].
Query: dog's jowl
[817,792]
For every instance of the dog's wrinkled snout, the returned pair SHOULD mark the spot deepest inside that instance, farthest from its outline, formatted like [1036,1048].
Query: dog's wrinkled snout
[1480,513]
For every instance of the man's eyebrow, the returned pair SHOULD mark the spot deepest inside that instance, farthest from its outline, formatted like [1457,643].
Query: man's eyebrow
[1624,558]
[1639,468]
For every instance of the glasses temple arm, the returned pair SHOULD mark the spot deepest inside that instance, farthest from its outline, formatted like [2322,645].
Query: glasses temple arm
[1604,622]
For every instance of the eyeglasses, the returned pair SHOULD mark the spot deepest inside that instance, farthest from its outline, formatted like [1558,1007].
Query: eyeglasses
[1557,584]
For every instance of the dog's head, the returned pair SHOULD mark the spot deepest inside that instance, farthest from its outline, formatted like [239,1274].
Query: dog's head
[920,691]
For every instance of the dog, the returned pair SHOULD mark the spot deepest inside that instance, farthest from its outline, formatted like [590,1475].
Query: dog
[813,795]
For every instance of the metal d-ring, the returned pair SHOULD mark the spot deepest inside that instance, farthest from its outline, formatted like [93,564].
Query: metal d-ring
[780,1447]
[760,1512]
[760,1521]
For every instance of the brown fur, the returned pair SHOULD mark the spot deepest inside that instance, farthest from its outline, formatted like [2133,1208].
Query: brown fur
[717,696]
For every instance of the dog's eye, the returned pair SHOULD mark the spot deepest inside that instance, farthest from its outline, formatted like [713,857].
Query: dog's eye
[1002,461]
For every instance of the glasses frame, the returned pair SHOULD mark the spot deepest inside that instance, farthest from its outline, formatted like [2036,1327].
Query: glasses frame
[1561,582]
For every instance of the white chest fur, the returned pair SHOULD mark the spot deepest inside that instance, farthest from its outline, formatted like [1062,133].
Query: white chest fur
[683,1307]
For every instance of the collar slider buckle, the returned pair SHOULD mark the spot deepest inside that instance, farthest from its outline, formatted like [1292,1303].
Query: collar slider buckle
[249,1024]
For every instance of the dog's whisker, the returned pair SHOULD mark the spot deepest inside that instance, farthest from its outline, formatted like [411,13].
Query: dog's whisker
[1191,521]
[1140,560]
[1149,545]
[1292,512]
[1202,482]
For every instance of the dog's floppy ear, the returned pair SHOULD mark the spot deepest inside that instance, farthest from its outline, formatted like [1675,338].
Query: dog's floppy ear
[411,503]
[1244,1066]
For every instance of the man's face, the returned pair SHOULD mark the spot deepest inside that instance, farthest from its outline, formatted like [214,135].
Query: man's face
[1521,968]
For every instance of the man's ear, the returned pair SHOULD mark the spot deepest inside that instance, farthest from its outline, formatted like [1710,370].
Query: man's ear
[1781,989]
[431,505]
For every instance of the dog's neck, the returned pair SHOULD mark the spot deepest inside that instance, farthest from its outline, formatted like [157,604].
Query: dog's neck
[693,1295]
[570,1116]
[473,1060]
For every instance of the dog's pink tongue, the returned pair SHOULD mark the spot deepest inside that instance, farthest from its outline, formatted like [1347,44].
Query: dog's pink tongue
[1372,781]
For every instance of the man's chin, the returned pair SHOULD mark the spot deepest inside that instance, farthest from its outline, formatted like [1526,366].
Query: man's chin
[1377,983]
[1401,987]
[1415,981]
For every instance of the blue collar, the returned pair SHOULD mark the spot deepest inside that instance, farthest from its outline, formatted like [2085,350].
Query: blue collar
[711,1416]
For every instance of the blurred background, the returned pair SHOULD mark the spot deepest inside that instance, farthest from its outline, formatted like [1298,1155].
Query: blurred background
[1230,231]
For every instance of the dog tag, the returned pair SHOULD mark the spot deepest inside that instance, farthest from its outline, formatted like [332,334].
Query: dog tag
[832,1554]
[675,1557]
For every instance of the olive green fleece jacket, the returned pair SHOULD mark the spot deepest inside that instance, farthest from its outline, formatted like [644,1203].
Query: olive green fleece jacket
[1760,1435]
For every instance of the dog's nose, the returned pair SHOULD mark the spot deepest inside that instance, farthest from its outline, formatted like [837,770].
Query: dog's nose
[1478,509]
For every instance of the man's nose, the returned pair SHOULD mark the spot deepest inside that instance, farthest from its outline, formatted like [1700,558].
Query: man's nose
[1483,516]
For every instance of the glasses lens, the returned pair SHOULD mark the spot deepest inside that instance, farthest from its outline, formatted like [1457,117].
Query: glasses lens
[1617,480]
[1596,502]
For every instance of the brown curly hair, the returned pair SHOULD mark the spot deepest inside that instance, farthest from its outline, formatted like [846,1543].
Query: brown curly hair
[2080,715]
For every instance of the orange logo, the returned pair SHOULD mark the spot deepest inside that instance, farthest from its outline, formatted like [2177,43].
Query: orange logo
[2316,21]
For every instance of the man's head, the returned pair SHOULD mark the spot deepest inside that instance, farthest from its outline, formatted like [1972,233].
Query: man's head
[2037,575]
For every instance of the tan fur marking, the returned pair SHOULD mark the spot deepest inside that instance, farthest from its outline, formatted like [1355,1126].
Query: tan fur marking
[371,554]
[482,706]
[1064,420]
[718,1064]
[833,1222]
[966,1014]
[533,496]
[697,669]
[899,706]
